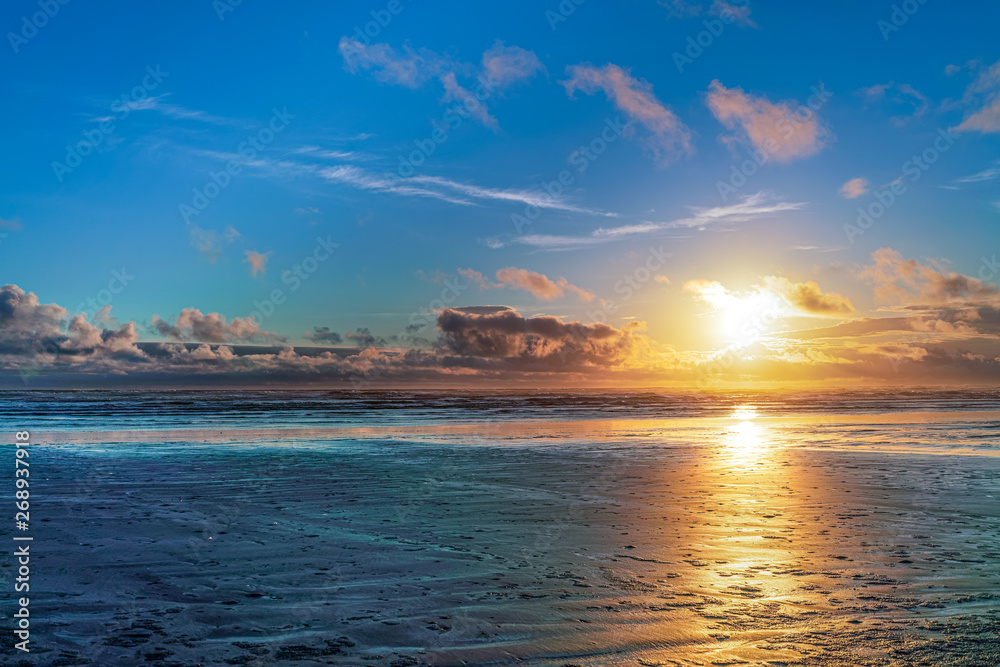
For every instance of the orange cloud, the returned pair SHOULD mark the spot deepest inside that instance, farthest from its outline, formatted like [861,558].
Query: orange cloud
[634,97]
[257,262]
[784,131]
[854,188]
[538,284]
[909,282]
[778,296]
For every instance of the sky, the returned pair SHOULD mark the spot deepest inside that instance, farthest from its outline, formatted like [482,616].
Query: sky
[577,193]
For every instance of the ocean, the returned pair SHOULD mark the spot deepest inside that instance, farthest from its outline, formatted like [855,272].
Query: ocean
[448,528]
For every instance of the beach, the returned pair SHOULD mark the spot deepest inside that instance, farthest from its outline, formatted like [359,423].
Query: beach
[736,538]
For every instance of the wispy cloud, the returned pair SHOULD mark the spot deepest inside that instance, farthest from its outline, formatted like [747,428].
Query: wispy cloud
[989,174]
[668,137]
[737,12]
[450,191]
[983,96]
[159,104]
[368,181]
[211,243]
[752,207]
[502,67]
[901,95]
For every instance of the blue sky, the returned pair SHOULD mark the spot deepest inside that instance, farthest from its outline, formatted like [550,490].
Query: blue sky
[199,78]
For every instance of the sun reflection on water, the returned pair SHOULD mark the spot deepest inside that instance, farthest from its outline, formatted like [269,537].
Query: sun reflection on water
[744,434]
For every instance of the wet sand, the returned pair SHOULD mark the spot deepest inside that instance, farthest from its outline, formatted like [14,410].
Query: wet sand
[746,548]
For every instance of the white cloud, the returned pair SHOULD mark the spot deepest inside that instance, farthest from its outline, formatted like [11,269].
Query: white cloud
[450,191]
[752,207]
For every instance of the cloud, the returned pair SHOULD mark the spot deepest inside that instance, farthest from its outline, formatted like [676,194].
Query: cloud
[989,174]
[682,9]
[539,285]
[533,342]
[477,278]
[157,103]
[854,188]
[983,95]
[668,137]
[455,92]
[740,11]
[411,68]
[192,325]
[908,282]
[900,95]
[502,67]
[737,12]
[210,243]
[776,297]
[42,345]
[14,224]
[807,298]
[324,335]
[781,131]
[507,65]
[257,262]
[723,218]
[363,337]
[752,207]
[453,192]
[29,328]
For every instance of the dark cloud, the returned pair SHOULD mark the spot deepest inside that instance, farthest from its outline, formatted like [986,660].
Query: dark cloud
[324,335]
[508,335]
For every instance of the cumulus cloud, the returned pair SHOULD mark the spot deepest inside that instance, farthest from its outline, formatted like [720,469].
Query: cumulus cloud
[807,298]
[854,188]
[667,137]
[783,131]
[502,67]
[257,262]
[776,297]
[193,325]
[32,329]
[529,342]
[901,281]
